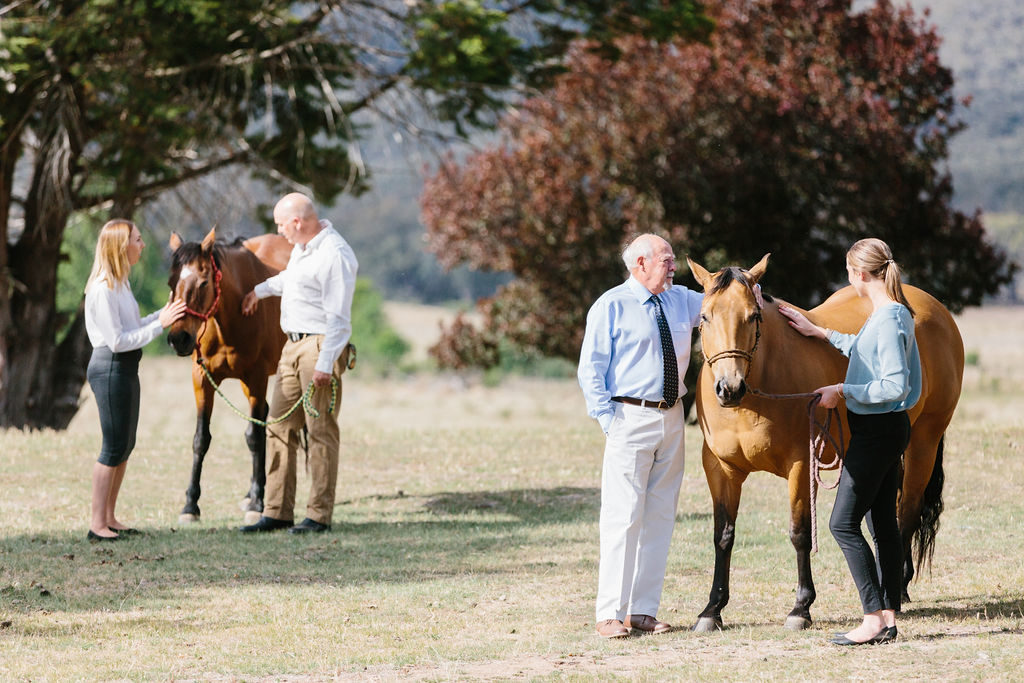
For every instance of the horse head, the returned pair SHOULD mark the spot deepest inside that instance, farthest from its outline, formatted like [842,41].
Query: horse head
[195,279]
[730,326]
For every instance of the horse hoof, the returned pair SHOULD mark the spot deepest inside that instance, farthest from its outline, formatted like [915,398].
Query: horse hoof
[244,505]
[797,623]
[252,516]
[708,625]
[187,518]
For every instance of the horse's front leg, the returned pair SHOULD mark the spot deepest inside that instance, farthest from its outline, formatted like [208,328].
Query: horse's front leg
[256,440]
[800,536]
[726,484]
[200,444]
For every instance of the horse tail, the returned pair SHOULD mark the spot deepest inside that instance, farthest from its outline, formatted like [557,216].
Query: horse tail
[931,509]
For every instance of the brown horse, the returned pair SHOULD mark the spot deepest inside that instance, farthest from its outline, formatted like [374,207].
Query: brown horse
[748,347]
[212,278]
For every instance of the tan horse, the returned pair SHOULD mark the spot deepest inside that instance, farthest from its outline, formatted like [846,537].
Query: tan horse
[747,347]
[212,278]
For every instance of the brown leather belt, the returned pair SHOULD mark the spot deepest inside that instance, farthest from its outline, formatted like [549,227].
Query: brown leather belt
[643,403]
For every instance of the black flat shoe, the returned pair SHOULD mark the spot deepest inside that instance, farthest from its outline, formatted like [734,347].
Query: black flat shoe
[126,532]
[96,538]
[309,526]
[886,635]
[266,524]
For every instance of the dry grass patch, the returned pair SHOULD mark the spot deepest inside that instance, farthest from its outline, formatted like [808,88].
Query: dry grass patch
[465,547]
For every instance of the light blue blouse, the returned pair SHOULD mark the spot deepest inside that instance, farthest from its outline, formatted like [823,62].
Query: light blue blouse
[884,374]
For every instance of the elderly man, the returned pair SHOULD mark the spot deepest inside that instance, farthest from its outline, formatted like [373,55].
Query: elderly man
[316,313]
[635,350]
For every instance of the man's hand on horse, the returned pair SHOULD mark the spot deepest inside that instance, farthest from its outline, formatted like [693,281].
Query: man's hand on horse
[249,303]
[321,379]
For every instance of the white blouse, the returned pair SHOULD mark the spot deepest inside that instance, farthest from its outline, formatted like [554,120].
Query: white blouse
[112,318]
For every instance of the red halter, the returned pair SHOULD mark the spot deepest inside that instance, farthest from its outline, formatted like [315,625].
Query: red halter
[217,275]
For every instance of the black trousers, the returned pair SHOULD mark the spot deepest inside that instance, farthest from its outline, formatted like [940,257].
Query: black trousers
[114,378]
[868,488]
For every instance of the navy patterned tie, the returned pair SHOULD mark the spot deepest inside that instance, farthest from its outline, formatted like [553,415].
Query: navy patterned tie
[669,352]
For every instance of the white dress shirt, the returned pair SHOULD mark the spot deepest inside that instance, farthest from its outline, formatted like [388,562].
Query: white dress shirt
[112,317]
[316,292]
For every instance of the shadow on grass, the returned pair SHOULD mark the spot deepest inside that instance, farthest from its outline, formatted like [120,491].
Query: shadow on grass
[430,538]
[972,607]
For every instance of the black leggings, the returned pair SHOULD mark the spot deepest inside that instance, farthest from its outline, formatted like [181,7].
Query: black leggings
[114,378]
[868,487]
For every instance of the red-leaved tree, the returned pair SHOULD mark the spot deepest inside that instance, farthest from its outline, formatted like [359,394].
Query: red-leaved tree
[802,127]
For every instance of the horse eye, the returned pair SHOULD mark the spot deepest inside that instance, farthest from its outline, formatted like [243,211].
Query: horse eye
[704,318]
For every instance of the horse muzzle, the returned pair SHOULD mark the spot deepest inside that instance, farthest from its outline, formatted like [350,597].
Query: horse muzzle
[730,392]
[182,342]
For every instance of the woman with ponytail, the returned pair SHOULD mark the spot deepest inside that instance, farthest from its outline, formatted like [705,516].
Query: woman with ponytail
[883,381]
[117,334]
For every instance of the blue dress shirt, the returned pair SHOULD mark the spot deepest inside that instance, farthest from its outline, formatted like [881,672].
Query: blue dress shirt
[621,353]
[884,375]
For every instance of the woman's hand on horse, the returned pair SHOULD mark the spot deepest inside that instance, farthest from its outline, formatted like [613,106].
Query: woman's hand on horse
[249,303]
[172,312]
[830,395]
[799,322]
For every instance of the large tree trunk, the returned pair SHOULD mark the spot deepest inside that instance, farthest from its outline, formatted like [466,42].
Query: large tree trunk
[9,153]
[42,381]
[29,395]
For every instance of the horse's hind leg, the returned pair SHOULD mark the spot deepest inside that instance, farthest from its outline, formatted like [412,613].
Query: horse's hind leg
[200,444]
[726,486]
[921,496]
[800,536]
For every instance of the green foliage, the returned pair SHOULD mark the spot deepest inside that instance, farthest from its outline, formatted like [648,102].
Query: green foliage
[380,349]
[109,103]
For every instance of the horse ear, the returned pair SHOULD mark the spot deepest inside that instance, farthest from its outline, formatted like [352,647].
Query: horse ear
[209,239]
[757,272]
[699,272]
[174,242]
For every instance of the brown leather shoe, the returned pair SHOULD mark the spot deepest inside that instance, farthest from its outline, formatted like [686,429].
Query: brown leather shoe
[611,628]
[646,624]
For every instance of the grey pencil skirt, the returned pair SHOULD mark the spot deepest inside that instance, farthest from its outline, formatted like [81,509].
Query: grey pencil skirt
[114,378]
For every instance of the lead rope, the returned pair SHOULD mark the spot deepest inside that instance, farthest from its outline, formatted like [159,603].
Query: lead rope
[306,400]
[819,436]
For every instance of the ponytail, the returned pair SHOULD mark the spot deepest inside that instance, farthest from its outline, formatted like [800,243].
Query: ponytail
[873,256]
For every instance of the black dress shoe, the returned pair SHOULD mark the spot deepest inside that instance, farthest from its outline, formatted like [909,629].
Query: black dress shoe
[126,532]
[266,524]
[96,538]
[886,635]
[309,526]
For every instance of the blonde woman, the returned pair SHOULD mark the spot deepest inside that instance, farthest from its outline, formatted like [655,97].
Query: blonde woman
[883,381]
[117,334]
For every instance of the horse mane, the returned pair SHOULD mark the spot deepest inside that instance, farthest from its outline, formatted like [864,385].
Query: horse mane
[727,276]
[190,251]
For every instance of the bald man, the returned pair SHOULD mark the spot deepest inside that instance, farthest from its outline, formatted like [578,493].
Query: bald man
[316,314]
[635,352]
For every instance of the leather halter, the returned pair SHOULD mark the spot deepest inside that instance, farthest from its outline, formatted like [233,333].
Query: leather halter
[217,276]
[733,353]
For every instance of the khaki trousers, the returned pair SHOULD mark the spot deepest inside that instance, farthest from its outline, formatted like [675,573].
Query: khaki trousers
[294,373]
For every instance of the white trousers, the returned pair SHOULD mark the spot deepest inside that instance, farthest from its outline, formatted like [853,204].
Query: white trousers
[643,469]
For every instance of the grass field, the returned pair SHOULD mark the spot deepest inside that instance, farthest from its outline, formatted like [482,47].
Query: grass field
[465,547]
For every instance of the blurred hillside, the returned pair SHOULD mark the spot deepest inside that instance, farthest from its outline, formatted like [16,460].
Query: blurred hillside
[983,43]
